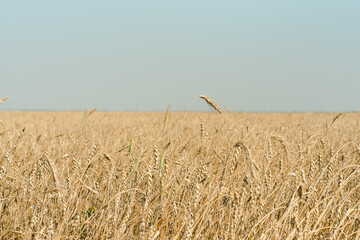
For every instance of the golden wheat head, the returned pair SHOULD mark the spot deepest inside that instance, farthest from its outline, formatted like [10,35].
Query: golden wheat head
[211,103]
[3,99]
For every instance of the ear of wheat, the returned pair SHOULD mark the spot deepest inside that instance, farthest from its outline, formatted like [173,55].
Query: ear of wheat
[335,118]
[211,103]
[3,99]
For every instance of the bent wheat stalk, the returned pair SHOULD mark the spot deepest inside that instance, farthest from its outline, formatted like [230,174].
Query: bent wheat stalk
[211,103]
[3,99]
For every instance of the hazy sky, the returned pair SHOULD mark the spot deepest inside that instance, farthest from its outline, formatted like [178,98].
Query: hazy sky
[143,55]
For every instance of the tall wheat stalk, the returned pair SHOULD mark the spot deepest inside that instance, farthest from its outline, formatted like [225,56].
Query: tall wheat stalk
[211,103]
[4,99]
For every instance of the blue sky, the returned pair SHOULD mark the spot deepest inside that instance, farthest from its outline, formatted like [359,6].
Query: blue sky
[143,55]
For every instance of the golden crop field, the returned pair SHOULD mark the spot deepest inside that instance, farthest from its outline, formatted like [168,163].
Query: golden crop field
[178,175]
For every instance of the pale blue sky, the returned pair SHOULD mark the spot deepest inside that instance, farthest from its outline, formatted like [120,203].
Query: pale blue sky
[143,55]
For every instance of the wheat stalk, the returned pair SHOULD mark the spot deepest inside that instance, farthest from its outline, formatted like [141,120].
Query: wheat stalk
[335,118]
[211,103]
[3,99]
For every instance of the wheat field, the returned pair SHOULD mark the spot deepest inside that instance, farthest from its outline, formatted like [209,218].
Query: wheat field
[177,175]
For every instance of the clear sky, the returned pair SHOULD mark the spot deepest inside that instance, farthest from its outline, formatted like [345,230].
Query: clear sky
[143,55]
